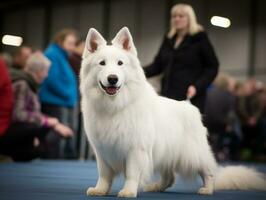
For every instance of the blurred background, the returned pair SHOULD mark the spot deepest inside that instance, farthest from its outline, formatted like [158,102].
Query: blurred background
[239,42]
[240,48]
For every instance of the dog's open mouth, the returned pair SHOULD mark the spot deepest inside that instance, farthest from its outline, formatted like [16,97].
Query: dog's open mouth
[111,90]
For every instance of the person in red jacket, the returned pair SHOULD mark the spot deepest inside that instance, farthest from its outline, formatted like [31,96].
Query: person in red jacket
[6,98]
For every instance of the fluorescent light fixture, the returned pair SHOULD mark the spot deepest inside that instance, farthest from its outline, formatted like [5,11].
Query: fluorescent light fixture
[12,40]
[220,21]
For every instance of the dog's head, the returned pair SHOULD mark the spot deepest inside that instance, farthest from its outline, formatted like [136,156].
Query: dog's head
[110,71]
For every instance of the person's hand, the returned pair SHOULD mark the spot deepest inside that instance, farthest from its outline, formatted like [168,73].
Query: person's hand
[191,91]
[63,130]
[52,121]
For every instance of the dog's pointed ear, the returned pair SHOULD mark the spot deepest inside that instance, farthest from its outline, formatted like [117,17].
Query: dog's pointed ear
[93,41]
[123,39]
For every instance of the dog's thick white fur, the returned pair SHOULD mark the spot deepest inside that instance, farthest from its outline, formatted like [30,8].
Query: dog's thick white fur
[136,132]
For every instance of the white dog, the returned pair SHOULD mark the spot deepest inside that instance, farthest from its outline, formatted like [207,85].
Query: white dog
[136,132]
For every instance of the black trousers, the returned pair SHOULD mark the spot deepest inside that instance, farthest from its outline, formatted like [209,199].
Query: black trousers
[17,142]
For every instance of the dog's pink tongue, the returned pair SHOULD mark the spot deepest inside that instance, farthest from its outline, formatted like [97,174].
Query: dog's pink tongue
[111,90]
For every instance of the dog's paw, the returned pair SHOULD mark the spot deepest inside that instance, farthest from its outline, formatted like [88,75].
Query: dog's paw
[127,193]
[155,187]
[205,191]
[96,192]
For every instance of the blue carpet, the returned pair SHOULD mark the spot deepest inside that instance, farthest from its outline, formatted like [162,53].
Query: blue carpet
[68,180]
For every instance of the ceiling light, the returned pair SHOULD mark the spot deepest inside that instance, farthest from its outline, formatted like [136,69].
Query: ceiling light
[220,21]
[12,40]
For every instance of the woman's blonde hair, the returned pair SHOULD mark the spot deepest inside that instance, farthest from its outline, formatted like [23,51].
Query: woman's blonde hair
[193,26]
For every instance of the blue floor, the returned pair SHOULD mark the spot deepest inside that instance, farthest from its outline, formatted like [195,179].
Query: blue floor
[63,180]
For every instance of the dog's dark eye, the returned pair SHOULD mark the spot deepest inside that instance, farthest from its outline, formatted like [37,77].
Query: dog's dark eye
[102,62]
[120,62]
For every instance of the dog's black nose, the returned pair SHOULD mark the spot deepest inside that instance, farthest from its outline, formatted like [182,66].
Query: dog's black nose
[112,79]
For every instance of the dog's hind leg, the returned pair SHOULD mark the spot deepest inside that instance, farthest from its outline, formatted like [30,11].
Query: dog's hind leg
[167,180]
[105,179]
[207,173]
[208,184]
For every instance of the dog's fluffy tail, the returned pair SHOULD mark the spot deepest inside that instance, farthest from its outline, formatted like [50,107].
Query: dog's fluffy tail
[239,178]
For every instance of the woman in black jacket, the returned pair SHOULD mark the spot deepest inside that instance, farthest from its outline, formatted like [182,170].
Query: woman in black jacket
[186,58]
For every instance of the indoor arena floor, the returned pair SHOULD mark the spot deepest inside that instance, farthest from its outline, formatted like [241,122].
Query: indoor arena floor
[68,180]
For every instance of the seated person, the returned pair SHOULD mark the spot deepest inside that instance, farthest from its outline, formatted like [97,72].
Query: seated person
[28,135]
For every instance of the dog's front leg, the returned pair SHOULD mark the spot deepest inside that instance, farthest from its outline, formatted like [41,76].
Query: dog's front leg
[105,179]
[134,165]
